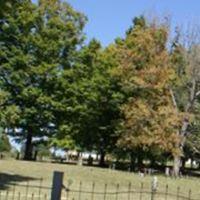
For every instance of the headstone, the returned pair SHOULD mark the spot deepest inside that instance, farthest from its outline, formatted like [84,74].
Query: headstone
[167,171]
[142,174]
[80,161]
[90,160]
[149,171]
[114,166]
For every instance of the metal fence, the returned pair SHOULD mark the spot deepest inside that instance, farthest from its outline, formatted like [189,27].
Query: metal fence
[129,193]
[26,191]
[94,191]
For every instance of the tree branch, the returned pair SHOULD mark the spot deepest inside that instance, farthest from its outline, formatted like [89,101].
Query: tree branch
[197,93]
[173,99]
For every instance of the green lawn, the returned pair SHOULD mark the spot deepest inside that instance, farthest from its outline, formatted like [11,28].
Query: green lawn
[29,173]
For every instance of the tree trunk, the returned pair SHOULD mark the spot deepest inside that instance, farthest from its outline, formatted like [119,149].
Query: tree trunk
[183,162]
[177,164]
[152,162]
[177,158]
[35,155]
[132,165]
[192,163]
[18,156]
[183,131]
[140,160]
[28,147]
[102,158]
[97,157]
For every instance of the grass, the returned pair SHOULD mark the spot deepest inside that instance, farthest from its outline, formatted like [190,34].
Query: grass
[30,173]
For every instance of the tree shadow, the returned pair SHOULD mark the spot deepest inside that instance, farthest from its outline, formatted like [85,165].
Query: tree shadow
[9,180]
[192,173]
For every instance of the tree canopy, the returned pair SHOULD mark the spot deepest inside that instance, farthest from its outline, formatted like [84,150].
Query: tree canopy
[38,45]
[139,94]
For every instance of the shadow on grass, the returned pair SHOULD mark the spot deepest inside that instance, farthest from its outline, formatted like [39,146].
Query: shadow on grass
[192,173]
[7,180]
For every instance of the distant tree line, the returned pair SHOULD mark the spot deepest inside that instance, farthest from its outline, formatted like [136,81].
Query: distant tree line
[136,99]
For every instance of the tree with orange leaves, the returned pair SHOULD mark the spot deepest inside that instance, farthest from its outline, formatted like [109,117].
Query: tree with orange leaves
[150,118]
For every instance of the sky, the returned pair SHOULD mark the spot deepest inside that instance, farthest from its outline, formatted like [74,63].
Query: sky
[108,19]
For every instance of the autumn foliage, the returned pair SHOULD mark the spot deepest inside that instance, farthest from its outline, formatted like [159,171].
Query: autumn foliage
[150,118]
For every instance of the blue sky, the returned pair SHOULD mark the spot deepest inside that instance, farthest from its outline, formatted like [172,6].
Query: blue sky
[109,19]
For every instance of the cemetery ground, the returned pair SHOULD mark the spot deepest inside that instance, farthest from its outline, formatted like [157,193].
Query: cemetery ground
[21,175]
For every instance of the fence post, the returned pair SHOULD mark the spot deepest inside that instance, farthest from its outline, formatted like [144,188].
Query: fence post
[40,187]
[178,190]
[105,191]
[154,187]
[117,191]
[7,195]
[141,190]
[13,197]
[189,196]
[129,191]
[57,185]
[93,186]
[80,190]
[32,197]
[27,188]
[19,194]
[166,192]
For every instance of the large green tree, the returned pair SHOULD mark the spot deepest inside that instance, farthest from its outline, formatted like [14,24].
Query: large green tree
[94,108]
[38,43]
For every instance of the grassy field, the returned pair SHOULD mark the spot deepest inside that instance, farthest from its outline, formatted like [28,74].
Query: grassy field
[30,173]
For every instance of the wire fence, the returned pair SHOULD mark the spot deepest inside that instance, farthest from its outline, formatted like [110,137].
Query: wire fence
[94,191]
